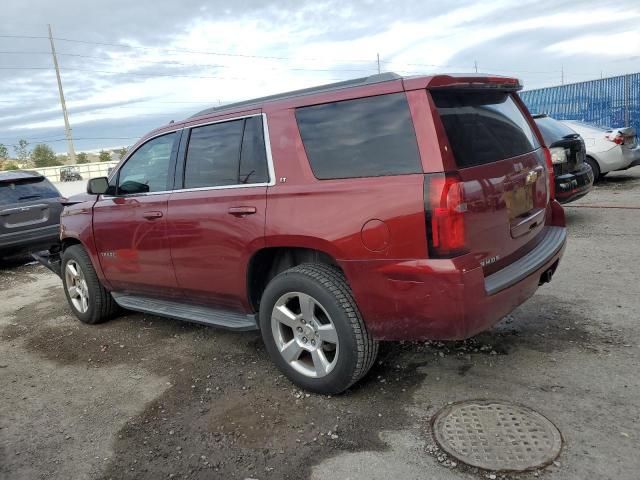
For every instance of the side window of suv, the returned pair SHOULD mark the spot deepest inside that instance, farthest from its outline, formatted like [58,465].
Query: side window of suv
[366,137]
[147,170]
[226,153]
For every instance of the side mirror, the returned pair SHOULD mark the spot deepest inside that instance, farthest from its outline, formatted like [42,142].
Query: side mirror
[98,186]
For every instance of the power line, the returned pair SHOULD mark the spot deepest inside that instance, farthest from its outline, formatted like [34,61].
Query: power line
[171,62]
[139,74]
[178,50]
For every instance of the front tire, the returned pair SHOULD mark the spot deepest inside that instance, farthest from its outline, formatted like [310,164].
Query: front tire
[88,299]
[313,330]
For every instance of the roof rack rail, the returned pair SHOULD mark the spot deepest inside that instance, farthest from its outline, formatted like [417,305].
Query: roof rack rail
[379,78]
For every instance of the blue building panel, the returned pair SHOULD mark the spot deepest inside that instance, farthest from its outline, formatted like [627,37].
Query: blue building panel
[608,102]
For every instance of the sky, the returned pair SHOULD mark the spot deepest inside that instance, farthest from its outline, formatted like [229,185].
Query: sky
[130,66]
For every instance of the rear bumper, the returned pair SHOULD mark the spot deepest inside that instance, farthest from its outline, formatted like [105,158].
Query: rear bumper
[32,239]
[571,186]
[633,154]
[447,299]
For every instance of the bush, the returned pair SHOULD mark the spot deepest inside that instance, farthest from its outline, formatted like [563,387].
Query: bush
[10,166]
[104,156]
[44,156]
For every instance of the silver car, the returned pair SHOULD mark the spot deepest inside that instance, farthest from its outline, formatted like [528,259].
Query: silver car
[608,149]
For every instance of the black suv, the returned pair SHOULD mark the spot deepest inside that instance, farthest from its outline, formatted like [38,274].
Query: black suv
[30,208]
[573,175]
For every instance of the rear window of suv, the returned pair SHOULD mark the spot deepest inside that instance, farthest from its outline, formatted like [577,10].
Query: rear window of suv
[483,127]
[366,137]
[26,190]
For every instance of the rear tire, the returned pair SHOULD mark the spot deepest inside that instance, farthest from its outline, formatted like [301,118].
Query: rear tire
[88,299]
[313,330]
[597,176]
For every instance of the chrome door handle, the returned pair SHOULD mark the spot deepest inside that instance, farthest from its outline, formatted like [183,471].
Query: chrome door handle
[242,211]
[152,215]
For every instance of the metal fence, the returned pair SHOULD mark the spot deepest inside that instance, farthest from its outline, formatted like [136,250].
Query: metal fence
[608,102]
[86,170]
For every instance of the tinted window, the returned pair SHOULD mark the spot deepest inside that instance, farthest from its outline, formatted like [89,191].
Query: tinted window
[147,170]
[26,190]
[367,137]
[484,127]
[213,155]
[253,159]
[552,130]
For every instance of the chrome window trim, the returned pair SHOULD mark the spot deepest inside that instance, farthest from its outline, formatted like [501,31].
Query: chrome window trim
[267,146]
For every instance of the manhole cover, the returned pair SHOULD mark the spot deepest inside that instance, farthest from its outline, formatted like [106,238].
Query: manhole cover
[496,436]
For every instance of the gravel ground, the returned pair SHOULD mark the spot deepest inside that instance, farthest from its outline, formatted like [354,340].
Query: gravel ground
[146,397]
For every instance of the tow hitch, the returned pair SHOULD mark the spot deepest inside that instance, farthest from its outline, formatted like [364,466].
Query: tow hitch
[546,276]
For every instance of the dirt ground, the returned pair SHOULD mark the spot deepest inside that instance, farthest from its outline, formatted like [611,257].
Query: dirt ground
[146,397]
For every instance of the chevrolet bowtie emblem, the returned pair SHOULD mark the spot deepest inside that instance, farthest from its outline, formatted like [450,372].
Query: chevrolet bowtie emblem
[532,176]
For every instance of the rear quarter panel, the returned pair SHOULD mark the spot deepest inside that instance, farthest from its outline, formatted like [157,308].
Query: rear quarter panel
[329,215]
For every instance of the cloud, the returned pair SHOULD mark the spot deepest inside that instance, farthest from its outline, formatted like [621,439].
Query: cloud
[623,44]
[135,63]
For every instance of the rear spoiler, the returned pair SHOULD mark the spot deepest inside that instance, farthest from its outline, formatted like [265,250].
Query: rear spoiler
[624,131]
[469,82]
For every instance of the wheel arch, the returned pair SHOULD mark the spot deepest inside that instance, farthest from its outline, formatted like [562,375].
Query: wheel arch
[68,241]
[269,261]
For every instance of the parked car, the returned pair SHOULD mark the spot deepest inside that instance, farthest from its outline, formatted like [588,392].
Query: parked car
[573,175]
[70,174]
[608,149]
[30,210]
[381,208]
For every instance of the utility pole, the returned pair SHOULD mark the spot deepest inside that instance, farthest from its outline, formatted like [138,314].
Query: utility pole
[67,127]
[475,65]
[378,55]
[561,74]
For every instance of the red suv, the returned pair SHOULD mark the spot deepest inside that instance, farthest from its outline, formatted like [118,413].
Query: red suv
[381,208]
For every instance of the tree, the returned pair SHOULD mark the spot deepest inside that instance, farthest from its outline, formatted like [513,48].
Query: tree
[22,151]
[4,153]
[82,158]
[121,152]
[44,156]
[10,166]
[104,156]
[62,158]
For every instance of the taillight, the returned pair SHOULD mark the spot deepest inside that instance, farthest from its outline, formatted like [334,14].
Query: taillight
[444,210]
[552,181]
[617,139]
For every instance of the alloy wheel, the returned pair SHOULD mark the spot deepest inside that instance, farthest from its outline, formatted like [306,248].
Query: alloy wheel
[76,286]
[304,334]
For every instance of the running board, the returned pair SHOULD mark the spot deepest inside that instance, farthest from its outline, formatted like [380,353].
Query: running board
[190,313]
